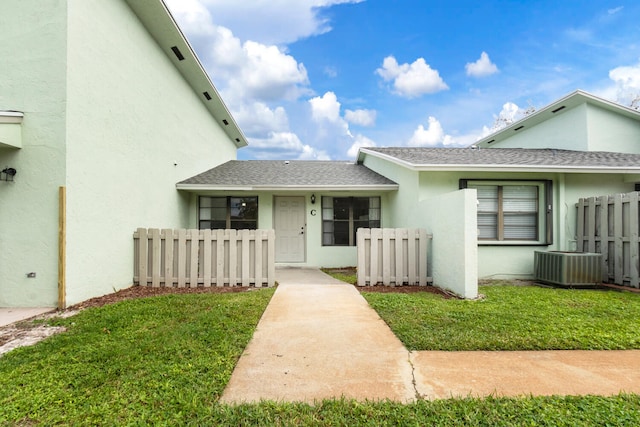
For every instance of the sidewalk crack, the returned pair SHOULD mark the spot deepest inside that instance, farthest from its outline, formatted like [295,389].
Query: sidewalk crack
[414,383]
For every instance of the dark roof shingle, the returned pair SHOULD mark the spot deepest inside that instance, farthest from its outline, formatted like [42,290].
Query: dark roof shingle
[294,173]
[510,157]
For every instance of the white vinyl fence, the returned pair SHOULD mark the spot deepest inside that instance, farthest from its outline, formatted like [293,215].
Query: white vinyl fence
[392,256]
[195,258]
[609,225]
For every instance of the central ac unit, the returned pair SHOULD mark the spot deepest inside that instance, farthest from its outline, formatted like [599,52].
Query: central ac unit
[570,269]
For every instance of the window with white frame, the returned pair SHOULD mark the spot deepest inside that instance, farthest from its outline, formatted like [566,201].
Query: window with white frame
[513,211]
[342,216]
[237,213]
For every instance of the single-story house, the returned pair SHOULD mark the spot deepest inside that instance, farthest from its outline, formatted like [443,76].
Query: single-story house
[103,108]
[488,207]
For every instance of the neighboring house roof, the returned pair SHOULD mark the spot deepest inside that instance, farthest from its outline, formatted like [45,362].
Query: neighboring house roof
[507,159]
[563,104]
[161,25]
[288,175]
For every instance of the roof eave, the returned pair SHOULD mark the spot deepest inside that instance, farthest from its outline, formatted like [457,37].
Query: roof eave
[524,168]
[161,25]
[286,188]
[571,100]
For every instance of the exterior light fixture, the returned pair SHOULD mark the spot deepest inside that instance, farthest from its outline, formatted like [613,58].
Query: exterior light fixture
[8,174]
[313,199]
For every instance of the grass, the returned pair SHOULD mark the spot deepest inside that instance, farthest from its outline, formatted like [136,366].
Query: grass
[514,318]
[166,360]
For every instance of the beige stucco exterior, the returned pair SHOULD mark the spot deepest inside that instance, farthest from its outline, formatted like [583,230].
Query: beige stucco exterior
[108,116]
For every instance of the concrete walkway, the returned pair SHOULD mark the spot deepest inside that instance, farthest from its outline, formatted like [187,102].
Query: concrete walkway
[15,314]
[318,339]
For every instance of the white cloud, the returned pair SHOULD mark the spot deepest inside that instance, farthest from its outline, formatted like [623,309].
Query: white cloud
[361,117]
[431,136]
[627,83]
[411,80]
[248,70]
[275,21]
[482,67]
[325,107]
[257,118]
[283,146]
[330,72]
[270,74]
[358,142]
[615,10]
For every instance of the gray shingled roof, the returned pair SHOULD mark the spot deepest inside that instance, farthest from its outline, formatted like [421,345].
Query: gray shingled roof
[294,173]
[505,157]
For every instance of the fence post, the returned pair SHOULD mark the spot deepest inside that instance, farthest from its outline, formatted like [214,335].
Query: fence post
[143,257]
[634,254]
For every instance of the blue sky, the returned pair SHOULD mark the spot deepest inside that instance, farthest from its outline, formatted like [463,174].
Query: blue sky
[317,79]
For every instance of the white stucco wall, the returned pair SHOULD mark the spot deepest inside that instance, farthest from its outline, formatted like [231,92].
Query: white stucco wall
[567,130]
[107,116]
[453,259]
[609,131]
[134,129]
[403,210]
[32,80]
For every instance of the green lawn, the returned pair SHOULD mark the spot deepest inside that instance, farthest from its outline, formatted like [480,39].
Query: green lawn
[166,360]
[514,318]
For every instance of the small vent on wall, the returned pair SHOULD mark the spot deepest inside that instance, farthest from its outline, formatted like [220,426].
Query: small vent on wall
[558,109]
[177,53]
[237,139]
[637,186]
[489,142]
[226,122]
[207,96]
[518,128]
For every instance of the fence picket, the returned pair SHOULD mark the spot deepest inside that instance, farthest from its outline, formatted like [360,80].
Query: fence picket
[633,240]
[143,257]
[379,247]
[612,230]
[618,245]
[194,258]
[167,274]
[220,260]
[375,266]
[604,236]
[245,257]
[206,258]
[191,257]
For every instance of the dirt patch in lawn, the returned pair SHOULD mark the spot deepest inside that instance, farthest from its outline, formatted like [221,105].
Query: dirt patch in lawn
[352,271]
[30,331]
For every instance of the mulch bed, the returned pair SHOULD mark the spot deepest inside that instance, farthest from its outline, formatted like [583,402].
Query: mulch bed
[406,290]
[149,291]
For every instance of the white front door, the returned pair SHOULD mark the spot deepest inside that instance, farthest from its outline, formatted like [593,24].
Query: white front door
[290,229]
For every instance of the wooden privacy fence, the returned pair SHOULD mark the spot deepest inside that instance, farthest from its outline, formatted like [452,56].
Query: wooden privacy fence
[395,256]
[609,225]
[204,257]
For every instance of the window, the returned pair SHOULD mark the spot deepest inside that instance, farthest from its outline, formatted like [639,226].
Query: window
[517,211]
[342,216]
[228,212]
